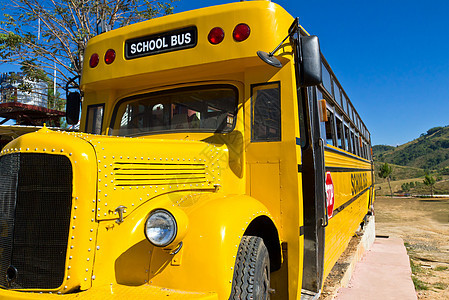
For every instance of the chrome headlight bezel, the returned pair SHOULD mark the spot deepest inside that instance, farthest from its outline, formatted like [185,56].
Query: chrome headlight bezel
[158,221]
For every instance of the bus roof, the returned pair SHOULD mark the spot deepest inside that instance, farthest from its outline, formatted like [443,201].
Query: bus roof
[268,24]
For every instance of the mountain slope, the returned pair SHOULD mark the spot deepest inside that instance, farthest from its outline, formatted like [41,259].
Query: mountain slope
[430,151]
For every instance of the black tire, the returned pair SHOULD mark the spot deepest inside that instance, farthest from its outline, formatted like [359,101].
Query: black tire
[251,271]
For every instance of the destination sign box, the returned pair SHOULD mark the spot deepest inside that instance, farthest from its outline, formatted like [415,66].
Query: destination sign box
[160,43]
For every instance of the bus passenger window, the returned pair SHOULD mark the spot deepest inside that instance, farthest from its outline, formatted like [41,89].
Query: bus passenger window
[353,150]
[266,113]
[337,93]
[347,139]
[339,133]
[94,118]
[357,145]
[326,78]
[330,128]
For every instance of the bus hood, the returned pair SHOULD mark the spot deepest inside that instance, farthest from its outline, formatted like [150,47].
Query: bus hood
[130,171]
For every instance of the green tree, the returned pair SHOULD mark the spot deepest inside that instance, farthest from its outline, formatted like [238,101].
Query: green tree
[385,172]
[429,180]
[44,36]
[405,187]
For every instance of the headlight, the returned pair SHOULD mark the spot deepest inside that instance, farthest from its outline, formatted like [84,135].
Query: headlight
[160,228]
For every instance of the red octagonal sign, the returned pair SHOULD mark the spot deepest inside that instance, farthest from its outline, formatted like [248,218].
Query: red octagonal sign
[329,195]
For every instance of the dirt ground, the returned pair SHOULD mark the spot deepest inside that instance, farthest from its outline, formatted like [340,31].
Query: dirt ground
[423,224]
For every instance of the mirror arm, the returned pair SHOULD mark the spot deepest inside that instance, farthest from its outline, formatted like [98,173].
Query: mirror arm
[71,81]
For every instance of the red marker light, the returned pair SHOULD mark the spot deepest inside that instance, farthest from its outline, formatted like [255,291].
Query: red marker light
[216,35]
[241,32]
[94,60]
[109,57]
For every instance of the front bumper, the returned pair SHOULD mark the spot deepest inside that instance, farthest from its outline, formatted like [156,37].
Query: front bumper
[115,291]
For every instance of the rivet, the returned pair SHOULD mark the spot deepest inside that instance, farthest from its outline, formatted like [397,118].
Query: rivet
[88,259]
[90,239]
[73,227]
[85,279]
[68,277]
[69,267]
[93,210]
[98,247]
[76,207]
[71,247]
[87,270]
[93,277]
[65,287]
[70,154]
[74,217]
[35,149]
[91,230]
[70,257]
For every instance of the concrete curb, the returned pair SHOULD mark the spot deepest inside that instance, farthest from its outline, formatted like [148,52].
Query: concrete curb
[383,273]
[349,260]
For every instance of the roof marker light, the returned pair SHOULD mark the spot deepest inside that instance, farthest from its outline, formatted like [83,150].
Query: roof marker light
[216,35]
[94,60]
[241,32]
[109,57]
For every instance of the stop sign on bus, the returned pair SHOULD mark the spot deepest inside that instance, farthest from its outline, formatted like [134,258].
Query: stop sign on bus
[329,195]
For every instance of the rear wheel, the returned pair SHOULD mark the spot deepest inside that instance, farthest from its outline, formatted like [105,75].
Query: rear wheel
[252,270]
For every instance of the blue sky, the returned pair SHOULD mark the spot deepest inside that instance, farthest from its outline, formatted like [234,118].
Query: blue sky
[391,57]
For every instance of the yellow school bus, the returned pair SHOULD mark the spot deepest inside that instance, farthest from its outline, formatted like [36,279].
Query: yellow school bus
[218,158]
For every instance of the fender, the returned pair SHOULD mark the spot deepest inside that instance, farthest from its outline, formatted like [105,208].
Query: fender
[216,226]
[205,262]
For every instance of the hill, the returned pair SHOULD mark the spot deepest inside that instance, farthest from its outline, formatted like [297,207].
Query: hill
[428,152]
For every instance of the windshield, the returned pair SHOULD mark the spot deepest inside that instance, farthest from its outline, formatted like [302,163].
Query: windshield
[194,109]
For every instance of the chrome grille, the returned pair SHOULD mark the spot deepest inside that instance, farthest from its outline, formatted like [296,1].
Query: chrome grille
[36,201]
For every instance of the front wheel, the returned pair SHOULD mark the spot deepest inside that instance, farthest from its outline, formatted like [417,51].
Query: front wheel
[252,270]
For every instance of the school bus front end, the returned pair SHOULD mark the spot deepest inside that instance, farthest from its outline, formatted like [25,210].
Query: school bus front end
[125,211]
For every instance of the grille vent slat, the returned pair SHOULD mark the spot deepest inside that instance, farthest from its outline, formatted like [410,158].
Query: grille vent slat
[141,174]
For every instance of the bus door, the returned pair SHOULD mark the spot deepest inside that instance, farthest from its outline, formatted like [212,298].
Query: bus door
[313,189]
[312,162]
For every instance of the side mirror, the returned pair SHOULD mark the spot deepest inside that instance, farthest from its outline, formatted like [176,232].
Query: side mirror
[310,72]
[73,105]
